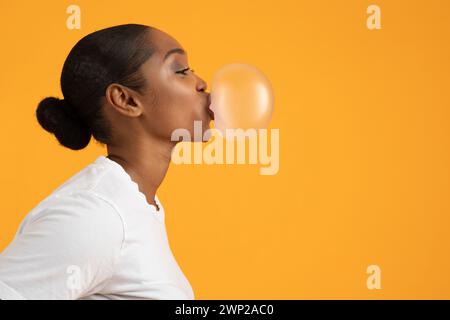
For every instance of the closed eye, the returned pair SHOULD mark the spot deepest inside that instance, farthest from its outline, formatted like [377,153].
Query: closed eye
[184,71]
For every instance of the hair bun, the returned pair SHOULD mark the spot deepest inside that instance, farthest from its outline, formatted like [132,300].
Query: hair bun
[57,117]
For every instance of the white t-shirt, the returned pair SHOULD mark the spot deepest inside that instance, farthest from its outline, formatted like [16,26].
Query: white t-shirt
[94,237]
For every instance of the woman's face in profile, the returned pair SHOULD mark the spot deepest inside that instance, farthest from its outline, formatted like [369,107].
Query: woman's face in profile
[174,96]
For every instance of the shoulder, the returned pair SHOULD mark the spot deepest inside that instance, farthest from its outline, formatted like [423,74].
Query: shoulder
[75,232]
[80,214]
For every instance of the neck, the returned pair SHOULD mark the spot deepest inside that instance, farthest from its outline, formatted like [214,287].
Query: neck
[145,161]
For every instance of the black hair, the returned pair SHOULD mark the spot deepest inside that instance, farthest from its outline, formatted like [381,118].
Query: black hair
[111,55]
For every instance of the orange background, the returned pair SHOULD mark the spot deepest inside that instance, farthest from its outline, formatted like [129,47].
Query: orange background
[364,142]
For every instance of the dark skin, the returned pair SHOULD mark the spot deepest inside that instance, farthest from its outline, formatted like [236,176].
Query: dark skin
[143,123]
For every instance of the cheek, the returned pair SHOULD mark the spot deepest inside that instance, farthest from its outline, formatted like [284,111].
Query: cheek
[178,105]
[173,111]
[184,100]
[183,90]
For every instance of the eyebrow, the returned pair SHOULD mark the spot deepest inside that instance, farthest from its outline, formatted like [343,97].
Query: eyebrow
[174,50]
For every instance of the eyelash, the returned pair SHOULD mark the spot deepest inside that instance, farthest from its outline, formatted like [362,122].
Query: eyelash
[183,72]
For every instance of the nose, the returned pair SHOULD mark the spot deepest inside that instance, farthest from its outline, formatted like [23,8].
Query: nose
[201,84]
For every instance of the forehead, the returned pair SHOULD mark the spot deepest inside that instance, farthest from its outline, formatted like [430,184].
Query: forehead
[163,42]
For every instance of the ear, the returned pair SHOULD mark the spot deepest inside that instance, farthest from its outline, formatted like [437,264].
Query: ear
[124,100]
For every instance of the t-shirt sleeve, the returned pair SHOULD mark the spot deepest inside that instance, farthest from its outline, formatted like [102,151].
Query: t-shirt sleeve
[66,250]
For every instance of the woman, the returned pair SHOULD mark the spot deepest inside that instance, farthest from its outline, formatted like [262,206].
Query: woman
[101,234]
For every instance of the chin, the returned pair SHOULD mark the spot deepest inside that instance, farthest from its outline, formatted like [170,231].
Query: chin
[199,130]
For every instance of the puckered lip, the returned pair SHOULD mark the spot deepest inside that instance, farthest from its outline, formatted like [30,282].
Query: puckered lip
[208,106]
